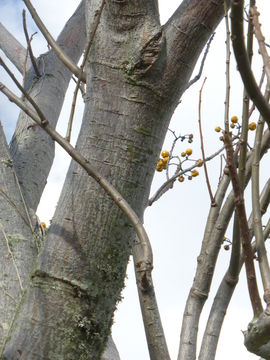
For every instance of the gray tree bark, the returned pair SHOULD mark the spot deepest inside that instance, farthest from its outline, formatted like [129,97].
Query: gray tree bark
[136,72]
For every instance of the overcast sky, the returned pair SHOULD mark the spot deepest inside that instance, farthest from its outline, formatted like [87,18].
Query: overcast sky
[175,223]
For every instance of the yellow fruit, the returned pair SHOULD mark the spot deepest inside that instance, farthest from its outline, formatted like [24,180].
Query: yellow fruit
[217,129]
[43,225]
[252,126]
[232,125]
[165,153]
[165,160]
[194,173]
[160,163]
[189,151]
[159,168]
[183,154]
[234,119]
[181,178]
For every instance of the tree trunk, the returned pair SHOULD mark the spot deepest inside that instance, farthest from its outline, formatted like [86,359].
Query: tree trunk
[136,73]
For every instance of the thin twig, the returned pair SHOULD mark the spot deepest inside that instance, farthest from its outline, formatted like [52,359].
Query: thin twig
[213,202]
[86,53]
[244,230]
[243,62]
[198,76]
[57,49]
[28,97]
[176,138]
[29,47]
[227,72]
[11,256]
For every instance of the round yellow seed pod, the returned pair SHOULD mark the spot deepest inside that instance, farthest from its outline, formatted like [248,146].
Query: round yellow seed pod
[189,151]
[165,160]
[181,178]
[232,125]
[252,126]
[165,153]
[234,119]
[217,129]
[183,154]
[194,173]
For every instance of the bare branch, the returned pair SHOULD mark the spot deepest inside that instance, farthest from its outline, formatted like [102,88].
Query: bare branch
[29,47]
[28,97]
[258,231]
[243,61]
[261,41]
[213,203]
[244,231]
[86,53]
[198,76]
[59,52]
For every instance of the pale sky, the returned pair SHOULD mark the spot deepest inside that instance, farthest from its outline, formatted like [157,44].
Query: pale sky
[175,223]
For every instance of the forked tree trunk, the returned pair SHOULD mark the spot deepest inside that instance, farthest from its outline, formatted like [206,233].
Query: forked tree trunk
[136,73]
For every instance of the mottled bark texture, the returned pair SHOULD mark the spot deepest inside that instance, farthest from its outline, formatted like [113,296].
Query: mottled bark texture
[137,71]
[18,244]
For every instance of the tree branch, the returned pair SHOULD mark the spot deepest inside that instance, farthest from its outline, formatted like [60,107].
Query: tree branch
[66,60]
[29,47]
[198,76]
[213,203]
[258,231]
[86,53]
[217,223]
[243,61]
[189,27]
[244,232]
[254,14]
[32,150]
[13,49]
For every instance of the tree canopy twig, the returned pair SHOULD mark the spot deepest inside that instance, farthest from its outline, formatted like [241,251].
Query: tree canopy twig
[29,47]
[213,203]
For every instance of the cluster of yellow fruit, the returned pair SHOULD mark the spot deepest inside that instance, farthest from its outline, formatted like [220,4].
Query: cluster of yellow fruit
[194,173]
[186,153]
[162,163]
[234,123]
